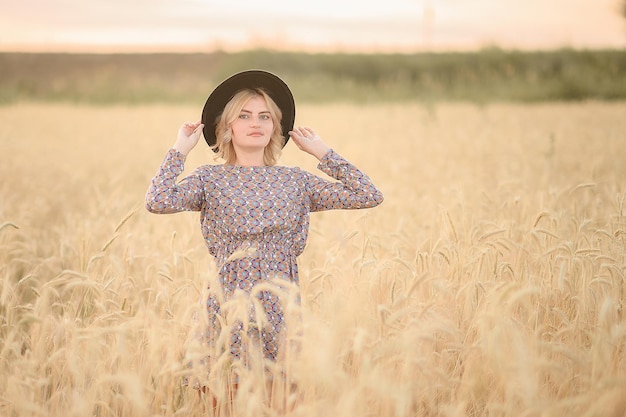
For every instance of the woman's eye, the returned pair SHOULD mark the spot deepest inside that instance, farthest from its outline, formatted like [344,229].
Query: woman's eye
[243,116]
[265,117]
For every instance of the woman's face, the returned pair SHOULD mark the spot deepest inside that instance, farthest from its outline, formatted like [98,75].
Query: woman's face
[253,127]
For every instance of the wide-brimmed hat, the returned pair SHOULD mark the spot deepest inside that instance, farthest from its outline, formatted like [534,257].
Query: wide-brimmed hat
[270,83]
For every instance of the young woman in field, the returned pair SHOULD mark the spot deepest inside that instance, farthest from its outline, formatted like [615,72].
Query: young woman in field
[254,213]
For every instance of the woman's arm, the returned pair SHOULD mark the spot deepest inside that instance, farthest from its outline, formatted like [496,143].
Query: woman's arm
[164,195]
[354,191]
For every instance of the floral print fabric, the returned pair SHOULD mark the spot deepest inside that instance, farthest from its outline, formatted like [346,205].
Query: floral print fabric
[255,222]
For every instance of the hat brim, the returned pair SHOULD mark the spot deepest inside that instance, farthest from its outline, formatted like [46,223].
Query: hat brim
[276,88]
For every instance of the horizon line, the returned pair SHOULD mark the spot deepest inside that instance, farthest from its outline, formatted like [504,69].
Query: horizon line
[307,49]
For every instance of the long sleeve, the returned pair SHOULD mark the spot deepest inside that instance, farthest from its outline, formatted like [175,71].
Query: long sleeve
[165,196]
[353,191]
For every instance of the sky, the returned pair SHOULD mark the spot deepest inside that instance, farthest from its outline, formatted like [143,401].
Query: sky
[320,25]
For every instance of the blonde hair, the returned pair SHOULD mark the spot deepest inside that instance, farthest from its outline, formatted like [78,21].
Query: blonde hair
[224,148]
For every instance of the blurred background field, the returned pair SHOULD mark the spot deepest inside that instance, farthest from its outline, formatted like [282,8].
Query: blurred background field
[479,76]
[490,282]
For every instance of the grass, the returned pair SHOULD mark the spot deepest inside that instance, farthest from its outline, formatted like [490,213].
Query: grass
[489,283]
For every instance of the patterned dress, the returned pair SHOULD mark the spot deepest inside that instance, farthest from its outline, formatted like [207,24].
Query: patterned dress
[255,222]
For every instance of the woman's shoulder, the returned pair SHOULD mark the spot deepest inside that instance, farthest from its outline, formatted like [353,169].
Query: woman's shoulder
[221,167]
[208,170]
[292,171]
[285,168]
[226,169]
[217,170]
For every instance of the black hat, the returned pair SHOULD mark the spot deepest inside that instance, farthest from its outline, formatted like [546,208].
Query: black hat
[270,83]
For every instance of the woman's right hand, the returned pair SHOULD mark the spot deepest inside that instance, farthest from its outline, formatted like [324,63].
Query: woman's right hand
[188,136]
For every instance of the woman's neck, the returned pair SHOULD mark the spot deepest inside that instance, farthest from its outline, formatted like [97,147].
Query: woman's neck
[252,159]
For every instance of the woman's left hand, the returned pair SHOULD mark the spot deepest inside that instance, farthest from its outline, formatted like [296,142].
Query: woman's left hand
[307,140]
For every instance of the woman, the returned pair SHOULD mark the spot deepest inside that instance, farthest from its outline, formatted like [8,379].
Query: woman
[254,214]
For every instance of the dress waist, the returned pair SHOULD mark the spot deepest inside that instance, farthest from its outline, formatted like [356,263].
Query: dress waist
[268,251]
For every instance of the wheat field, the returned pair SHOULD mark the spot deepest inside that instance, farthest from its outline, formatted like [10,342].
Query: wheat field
[490,282]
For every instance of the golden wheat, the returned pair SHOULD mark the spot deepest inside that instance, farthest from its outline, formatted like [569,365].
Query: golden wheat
[489,283]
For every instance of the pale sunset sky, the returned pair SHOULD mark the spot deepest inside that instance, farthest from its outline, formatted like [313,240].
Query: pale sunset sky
[321,25]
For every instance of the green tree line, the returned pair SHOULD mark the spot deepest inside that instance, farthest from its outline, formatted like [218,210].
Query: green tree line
[486,75]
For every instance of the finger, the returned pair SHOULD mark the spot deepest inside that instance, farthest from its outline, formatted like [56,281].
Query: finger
[303,132]
[311,133]
[192,125]
[297,139]
[296,133]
